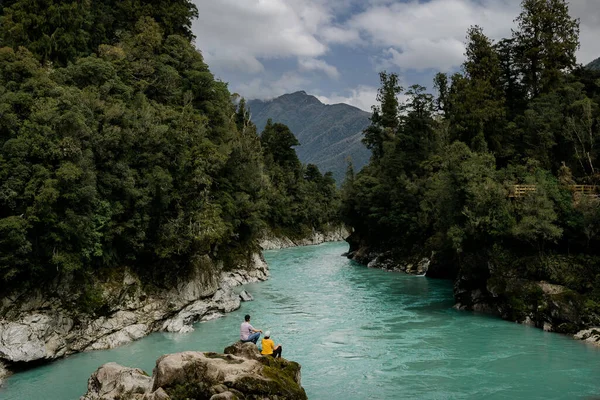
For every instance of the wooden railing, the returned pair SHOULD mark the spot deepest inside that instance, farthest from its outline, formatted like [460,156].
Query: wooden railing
[588,190]
[524,190]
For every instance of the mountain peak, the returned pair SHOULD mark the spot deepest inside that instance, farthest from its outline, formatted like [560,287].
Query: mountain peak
[328,134]
[299,96]
[595,65]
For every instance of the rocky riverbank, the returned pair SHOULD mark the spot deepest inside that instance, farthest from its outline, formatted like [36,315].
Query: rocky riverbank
[38,327]
[271,241]
[551,307]
[389,260]
[240,373]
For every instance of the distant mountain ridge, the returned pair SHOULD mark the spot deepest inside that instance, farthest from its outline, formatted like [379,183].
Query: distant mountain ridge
[594,64]
[328,133]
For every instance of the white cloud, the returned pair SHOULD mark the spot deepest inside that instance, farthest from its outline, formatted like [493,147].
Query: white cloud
[337,35]
[312,64]
[234,60]
[264,89]
[431,34]
[419,35]
[240,38]
[235,34]
[589,13]
[421,53]
[362,97]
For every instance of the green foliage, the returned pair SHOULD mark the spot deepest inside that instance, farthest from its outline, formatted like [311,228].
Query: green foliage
[133,154]
[62,31]
[476,102]
[385,117]
[442,179]
[300,198]
[547,38]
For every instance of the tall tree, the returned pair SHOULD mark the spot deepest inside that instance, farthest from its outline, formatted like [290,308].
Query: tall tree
[278,143]
[440,84]
[385,118]
[416,137]
[547,38]
[477,99]
[510,78]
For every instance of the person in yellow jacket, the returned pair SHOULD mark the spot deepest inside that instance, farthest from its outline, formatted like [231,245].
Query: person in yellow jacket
[269,348]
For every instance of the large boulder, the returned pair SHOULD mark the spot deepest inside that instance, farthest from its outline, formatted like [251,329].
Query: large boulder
[198,375]
[245,296]
[244,349]
[589,335]
[115,382]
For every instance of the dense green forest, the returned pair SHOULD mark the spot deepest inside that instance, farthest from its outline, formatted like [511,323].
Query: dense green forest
[443,174]
[119,148]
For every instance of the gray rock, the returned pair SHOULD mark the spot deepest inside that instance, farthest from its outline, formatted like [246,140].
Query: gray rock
[245,296]
[200,375]
[423,266]
[244,349]
[4,373]
[242,376]
[224,396]
[116,339]
[35,328]
[115,382]
[334,234]
[589,335]
[159,394]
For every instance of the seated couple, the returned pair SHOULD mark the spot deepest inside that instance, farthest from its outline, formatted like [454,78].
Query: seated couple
[249,334]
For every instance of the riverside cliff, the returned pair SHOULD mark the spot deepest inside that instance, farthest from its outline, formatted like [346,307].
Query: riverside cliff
[240,373]
[499,292]
[491,178]
[133,185]
[38,326]
[43,325]
[334,233]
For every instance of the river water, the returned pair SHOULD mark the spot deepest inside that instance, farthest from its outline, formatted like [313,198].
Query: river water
[361,334]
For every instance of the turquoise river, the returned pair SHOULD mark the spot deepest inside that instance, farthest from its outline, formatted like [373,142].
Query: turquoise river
[361,333]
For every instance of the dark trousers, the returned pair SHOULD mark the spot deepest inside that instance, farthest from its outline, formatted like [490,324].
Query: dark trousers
[276,352]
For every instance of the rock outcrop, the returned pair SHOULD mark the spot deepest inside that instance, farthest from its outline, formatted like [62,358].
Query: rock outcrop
[334,234]
[551,307]
[387,262]
[241,373]
[3,373]
[38,328]
[589,335]
[393,259]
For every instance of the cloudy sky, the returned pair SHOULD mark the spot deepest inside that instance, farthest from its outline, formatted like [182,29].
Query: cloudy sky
[334,49]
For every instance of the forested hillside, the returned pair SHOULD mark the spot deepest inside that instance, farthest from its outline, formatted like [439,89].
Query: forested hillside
[485,177]
[329,135]
[119,148]
[595,65]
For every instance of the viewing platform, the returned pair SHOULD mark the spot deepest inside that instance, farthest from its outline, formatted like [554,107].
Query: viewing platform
[523,190]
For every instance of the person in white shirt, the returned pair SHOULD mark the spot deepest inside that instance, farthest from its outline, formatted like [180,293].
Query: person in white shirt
[247,331]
